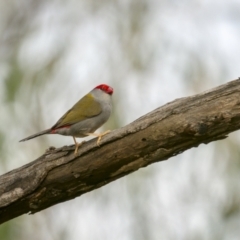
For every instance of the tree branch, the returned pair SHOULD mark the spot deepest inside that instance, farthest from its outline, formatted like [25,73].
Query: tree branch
[58,175]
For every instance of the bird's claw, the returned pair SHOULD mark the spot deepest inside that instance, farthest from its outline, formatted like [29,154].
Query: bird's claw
[100,137]
[77,146]
[98,141]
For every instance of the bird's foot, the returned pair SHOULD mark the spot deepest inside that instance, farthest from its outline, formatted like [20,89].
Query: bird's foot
[99,135]
[77,145]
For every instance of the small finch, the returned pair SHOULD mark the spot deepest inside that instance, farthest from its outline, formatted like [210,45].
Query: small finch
[85,117]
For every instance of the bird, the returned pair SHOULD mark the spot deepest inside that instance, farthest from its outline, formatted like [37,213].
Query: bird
[85,117]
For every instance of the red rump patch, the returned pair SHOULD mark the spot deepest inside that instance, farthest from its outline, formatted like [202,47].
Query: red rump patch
[56,129]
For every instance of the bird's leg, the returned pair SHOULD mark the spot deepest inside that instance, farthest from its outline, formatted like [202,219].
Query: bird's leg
[99,135]
[77,145]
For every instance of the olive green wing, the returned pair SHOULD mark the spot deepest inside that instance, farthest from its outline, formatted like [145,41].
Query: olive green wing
[86,107]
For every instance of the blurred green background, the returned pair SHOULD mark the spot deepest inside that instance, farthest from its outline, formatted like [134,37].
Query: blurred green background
[151,52]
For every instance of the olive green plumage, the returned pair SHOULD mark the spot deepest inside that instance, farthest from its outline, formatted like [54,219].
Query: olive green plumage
[83,109]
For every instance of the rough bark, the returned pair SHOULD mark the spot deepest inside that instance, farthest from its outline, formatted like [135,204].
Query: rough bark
[58,175]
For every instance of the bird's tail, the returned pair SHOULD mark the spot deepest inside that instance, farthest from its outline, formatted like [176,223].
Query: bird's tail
[36,135]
